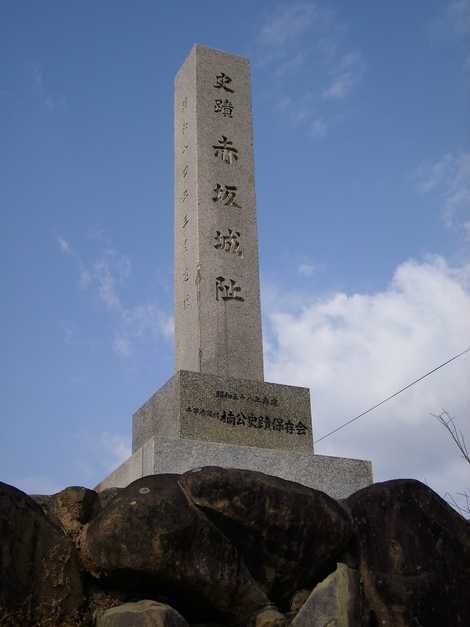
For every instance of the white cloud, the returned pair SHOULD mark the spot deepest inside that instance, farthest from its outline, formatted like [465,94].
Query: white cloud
[318,128]
[168,326]
[302,47]
[466,230]
[306,269]
[49,100]
[448,178]
[121,346]
[64,245]
[459,16]
[353,350]
[346,75]
[98,454]
[69,332]
[285,23]
[106,277]
[290,65]
[116,447]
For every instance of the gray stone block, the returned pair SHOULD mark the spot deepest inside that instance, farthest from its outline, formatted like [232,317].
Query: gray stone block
[141,614]
[339,477]
[211,408]
[334,601]
[217,295]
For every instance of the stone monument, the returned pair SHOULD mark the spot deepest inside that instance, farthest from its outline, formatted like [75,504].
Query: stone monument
[217,409]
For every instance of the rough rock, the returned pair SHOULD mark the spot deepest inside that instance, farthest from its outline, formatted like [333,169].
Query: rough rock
[151,537]
[290,536]
[39,574]
[414,552]
[269,617]
[73,507]
[298,600]
[334,602]
[105,496]
[141,614]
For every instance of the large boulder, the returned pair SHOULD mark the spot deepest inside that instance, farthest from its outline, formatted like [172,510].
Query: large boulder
[290,536]
[141,614]
[414,553]
[39,574]
[150,537]
[71,508]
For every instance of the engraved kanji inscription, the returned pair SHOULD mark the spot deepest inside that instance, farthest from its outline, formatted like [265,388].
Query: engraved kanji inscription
[222,81]
[185,126]
[185,171]
[225,107]
[267,423]
[225,150]
[187,302]
[185,148]
[186,274]
[184,103]
[230,243]
[185,195]
[186,245]
[226,194]
[185,221]
[227,289]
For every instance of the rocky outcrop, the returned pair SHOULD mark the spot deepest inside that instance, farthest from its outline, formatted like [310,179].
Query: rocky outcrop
[218,547]
[335,601]
[289,536]
[39,573]
[141,614]
[71,508]
[151,536]
[414,556]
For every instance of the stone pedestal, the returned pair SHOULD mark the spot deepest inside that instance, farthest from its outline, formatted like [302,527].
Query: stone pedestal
[209,408]
[200,419]
[337,476]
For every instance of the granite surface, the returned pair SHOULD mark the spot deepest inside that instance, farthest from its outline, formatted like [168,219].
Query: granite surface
[217,296]
[335,601]
[205,407]
[339,477]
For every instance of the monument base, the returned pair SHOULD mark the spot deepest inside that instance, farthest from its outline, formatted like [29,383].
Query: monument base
[337,476]
[228,410]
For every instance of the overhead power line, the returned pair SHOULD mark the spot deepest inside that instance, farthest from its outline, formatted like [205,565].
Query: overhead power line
[348,422]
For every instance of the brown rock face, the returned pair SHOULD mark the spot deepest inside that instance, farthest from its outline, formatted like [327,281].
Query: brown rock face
[39,575]
[414,556]
[73,507]
[151,537]
[290,536]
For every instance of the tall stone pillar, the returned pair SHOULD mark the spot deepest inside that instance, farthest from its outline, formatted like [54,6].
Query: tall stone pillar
[217,296]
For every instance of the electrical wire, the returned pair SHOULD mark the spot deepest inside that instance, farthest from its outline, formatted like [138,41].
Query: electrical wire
[348,422]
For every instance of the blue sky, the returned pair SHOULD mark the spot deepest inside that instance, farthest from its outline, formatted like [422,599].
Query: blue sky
[362,160]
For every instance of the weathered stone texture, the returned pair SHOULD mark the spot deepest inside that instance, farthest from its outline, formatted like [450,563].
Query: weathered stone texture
[150,536]
[289,535]
[414,556]
[141,614]
[334,602]
[337,476]
[211,408]
[39,575]
[230,547]
[214,333]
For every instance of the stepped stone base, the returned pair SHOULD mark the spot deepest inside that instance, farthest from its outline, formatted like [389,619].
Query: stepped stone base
[338,477]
